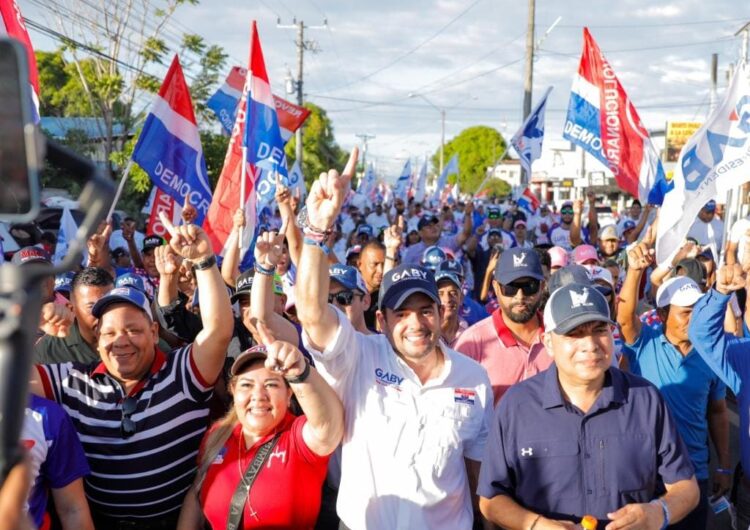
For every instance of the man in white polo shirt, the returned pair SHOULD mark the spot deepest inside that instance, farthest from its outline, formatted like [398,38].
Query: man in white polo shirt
[417,412]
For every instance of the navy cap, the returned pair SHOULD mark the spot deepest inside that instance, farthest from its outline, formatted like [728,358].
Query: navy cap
[401,282]
[572,273]
[122,295]
[119,252]
[348,277]
[364,229]
[710,206]
[427,219]
[432,257]
[518,263]
[63,282]
[445,275]
[573,305]
[244,285]
[30,255]
[152,241]
[137,282]
[453,266]
[494,232]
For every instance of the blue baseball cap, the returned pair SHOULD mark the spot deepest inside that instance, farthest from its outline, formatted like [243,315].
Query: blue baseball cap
[453,266]
[427,219]
[123,295]
[364,229]
[348,277]
[573,305]
[432,257]
[402,281]
[63,282]
[710,206]
[518,263]
[441,275]
[133,280]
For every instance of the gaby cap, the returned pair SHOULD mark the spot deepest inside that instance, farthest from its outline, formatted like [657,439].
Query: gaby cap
[136,281]
[122,295]
[584,253]
[246,357]
[152,241]
[63,282]
[348,277]
[401,282]
[518,263]
[681,291]
[573,305]
[244,285]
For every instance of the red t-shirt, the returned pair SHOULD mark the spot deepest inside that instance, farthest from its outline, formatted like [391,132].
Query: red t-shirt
[286,492]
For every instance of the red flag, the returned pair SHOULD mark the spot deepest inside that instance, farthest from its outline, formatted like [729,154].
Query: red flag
[11,23]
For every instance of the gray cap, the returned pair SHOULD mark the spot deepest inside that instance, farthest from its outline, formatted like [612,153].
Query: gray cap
[569,274]
[573,305]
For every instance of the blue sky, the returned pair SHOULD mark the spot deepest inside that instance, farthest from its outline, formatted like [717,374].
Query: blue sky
[468,58]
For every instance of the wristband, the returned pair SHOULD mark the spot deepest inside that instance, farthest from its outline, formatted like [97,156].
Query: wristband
[262,270]
[315,236]
[320,244]
[723,471]
[665,511]
[392,258]
[301,377]
[205,263]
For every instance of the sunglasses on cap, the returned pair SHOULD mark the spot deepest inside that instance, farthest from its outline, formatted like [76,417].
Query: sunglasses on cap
[529,288]
[566,211]
[342,297]
[127,425]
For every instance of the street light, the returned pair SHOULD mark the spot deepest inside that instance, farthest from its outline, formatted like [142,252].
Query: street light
[442,120]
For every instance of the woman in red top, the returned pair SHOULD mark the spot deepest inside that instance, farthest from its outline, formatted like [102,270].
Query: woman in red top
[286,490]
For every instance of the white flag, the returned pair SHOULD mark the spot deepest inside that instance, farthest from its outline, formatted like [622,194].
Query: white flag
[714,160]
[67,232]
[421,183]
[402,184]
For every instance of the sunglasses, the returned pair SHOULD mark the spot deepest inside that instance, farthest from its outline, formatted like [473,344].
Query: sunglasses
[127,426]
[342,297]
[566,211]
[529,288]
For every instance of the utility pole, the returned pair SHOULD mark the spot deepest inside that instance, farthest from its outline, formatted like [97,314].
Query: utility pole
[714,72]
[297,84]
[529,78]
[365,138]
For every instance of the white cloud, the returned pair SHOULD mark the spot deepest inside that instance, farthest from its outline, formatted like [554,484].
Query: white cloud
[670,10]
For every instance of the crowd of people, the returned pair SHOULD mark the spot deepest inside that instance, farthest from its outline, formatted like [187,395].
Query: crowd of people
[384,366]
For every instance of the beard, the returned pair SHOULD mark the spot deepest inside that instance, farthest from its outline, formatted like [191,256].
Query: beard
[523,316]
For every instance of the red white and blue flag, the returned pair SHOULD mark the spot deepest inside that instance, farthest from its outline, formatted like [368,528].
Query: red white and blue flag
[603,121]
[12,25]
[528,201]
[169,146]
[225,101]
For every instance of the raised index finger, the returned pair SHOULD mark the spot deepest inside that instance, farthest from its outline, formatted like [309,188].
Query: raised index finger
[167,224]
[351,165]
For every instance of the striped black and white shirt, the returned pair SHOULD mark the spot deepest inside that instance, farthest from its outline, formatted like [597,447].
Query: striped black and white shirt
[147,474]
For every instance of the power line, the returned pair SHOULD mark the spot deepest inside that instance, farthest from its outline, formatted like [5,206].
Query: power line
[655,25]
[645,48]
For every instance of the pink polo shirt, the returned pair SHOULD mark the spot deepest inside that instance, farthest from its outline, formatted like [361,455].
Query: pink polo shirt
[491,344]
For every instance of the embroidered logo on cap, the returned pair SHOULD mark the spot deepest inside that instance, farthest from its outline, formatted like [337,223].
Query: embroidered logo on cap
[520,260]
[527,452]
[580,299]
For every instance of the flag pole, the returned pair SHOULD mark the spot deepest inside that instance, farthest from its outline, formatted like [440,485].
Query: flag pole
[505,151]
[243,178]
[120,187]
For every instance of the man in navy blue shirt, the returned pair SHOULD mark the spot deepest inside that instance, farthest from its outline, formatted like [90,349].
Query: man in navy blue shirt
[728,357]
[584,438]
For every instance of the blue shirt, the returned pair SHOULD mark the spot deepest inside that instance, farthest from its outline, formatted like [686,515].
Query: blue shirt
[728,356]
[472,311]
[687,385]
[557,461]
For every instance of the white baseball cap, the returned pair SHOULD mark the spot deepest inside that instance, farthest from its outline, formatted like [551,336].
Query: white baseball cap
[680,291]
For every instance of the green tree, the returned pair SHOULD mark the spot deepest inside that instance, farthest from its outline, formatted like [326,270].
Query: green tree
[478,148]
[320,152]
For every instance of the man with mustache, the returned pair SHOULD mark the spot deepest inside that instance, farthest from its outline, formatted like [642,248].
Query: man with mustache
[508,343]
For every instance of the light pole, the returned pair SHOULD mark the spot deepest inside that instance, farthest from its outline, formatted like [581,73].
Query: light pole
[442,124]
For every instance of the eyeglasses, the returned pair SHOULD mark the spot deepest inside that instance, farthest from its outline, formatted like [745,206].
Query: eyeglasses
[566,211]
[127,426]
[342,297]
[529,288]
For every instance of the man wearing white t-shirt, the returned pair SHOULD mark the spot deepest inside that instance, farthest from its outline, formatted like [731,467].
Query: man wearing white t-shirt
[378,219]
[417,411]
[708,230]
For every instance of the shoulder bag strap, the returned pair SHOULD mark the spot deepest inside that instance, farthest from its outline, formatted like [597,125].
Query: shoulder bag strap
[237,508]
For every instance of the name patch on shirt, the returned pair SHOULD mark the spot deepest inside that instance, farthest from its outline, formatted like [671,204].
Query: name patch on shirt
[386,378]
[464,395]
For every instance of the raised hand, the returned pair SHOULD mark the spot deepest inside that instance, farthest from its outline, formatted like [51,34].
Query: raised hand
[189,213]
[687,250]
[98,245]
[188,241]
[640,257]
[730,278]
[238,219]
[591,197]
[283,194]
[269,247]
[128,230]
[577,207]
[281,356]
[55,319]
[327,194]
[295,199]
[393,236]
[167,262]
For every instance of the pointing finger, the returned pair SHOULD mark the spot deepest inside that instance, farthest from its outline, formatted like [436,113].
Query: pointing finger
[168,224]
[351,165]
[265,334]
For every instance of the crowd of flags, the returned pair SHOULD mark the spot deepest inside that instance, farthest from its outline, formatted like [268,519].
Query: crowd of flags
[601,119]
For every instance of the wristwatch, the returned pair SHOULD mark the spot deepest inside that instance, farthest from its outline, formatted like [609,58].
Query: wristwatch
[205,263]
[301,377]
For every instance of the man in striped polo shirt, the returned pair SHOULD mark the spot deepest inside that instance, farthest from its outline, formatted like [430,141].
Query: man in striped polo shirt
[141,413]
